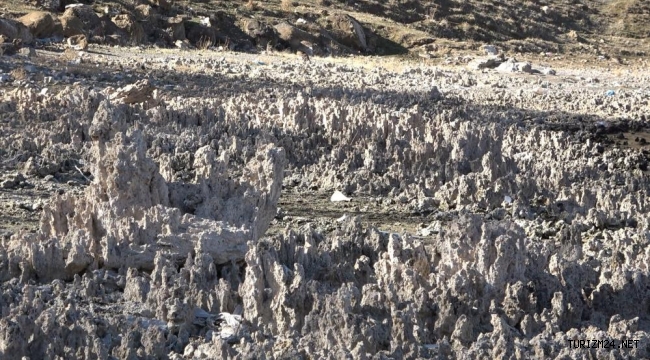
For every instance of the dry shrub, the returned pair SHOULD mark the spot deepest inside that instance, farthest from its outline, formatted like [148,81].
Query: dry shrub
[69,54]
[431,12]
[251,5]
[466,27]
[18,74]
[204,43]
[287,5]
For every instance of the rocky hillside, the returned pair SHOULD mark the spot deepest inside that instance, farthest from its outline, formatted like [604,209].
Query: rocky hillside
[324,27]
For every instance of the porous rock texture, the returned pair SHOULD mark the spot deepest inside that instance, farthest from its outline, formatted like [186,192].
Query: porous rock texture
[125,217]
[539,226]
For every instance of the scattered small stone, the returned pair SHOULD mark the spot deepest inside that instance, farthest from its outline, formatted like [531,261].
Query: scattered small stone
[548,71]
[183,45]
[27,52]
[512,65]
[78,42]
[338,196]
[485,63]
[490,50]
[139,92]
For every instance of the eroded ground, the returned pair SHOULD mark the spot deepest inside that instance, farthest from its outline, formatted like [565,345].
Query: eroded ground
[492,213]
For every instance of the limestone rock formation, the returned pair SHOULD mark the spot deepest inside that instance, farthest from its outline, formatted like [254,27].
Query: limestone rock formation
[139,92]
[126,216]
[169,243]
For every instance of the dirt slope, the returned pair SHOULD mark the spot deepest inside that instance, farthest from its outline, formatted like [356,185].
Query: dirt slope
[392,27]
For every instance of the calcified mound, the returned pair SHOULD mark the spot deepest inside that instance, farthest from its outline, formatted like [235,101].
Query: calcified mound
[538,228]
[126,215]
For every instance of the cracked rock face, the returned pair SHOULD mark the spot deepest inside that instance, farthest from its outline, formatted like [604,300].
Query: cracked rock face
[534,223]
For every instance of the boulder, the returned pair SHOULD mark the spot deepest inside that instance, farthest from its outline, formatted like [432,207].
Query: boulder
[200,35]
[131,27]
[14,30]
[81,19]
[261,33]
[175,27]
[295,38]
[41,24]
[161,4]
[346,30]
[78,42]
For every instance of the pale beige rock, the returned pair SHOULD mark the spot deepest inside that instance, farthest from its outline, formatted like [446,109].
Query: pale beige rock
[40,24]
[78,42]
[138,92]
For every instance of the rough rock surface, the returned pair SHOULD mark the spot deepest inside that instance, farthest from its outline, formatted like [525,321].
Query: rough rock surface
[534,211]
[41,24]
[127,216]
[263,34]
[131,27]
[297,39]
[82,19]
[15,30]
[347,31]
[134,93]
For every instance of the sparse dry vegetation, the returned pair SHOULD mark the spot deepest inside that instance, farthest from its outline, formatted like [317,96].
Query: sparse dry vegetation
[204,43]
[251,5]
[18,74]
[69,54]
[288,5]
[629,18]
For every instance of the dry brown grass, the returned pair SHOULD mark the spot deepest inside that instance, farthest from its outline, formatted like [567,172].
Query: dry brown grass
[251,5]
[18,74]
[618,7]
[69,54]
[288,5]
[204,43]
[628,17]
